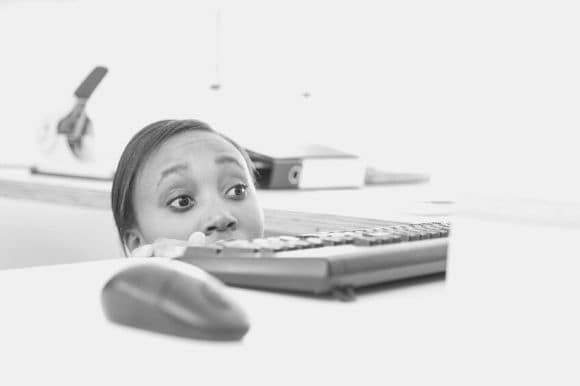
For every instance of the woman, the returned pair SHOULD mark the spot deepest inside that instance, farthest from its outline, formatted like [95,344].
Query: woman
[178,179]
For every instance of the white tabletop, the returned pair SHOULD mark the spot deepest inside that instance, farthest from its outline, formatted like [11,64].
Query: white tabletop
[507,314]
[54,331]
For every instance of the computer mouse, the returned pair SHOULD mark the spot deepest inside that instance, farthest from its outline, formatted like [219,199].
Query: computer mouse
[175,298]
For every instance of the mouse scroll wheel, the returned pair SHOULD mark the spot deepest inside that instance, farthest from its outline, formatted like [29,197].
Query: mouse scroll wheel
[213,297]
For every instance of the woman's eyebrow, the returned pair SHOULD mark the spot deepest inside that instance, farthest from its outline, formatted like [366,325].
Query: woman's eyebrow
[173,169]
[226,159]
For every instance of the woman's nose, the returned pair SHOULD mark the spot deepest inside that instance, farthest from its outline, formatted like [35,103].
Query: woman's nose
[220,222]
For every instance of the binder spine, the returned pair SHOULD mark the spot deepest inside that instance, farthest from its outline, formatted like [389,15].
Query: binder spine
[280,174]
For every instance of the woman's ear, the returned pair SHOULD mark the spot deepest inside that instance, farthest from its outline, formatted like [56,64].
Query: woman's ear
[132,239]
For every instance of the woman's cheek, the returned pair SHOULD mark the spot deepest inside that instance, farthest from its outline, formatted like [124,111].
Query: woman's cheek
[177,226]
[257,221]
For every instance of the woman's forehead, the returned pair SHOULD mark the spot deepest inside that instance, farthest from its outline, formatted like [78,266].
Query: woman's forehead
[205,140]
[194,144]
[190,146]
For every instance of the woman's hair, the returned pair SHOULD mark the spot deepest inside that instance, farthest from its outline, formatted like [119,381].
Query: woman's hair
[136,152]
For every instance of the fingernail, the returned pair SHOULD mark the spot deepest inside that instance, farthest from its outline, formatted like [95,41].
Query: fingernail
[169,251]
[143,251]
[175,252]
[196,238]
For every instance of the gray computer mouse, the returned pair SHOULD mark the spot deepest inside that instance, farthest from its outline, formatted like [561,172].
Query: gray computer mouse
[175,298]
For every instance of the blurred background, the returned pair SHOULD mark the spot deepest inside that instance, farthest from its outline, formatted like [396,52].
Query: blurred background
[483,95]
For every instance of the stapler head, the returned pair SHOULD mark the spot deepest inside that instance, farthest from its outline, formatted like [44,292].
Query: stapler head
[76,125]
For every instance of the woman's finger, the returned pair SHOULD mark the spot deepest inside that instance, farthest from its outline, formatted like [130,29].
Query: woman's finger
[169,250]
[143,251]
[196,238]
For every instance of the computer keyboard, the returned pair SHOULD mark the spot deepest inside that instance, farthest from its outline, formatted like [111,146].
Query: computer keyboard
[326,262]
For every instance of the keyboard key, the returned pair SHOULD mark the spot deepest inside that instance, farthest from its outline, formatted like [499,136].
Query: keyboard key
[329,241]
[378,236]
[346,237]
[295,244]
[284,245]
[410,235]
[403,236]
[314,242]
[288,238]
[396,238]
[388,238]
[431,232]
[422,232]
[270,245]
[365,241]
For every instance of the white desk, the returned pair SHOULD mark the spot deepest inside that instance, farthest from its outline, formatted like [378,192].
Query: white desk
[516,324]
[54,332]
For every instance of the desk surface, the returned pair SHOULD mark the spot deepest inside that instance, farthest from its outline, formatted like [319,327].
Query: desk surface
[468,331]
[54,329]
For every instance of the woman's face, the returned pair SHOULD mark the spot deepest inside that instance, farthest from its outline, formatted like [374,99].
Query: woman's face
[196,181]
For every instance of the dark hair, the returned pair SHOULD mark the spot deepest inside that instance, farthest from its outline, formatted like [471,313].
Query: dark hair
[137,150]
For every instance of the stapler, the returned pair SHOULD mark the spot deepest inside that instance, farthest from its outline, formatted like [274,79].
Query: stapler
[77,126]
[68,145]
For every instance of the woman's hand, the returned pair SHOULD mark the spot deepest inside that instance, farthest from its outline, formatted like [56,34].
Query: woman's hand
[169,248]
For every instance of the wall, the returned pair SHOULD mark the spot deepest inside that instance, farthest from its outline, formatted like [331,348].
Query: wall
[475,92]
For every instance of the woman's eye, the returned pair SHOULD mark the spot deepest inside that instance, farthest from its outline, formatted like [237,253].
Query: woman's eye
[181,203]
[237,192]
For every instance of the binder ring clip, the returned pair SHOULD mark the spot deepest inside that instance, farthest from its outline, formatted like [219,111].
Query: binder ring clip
[294,174]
